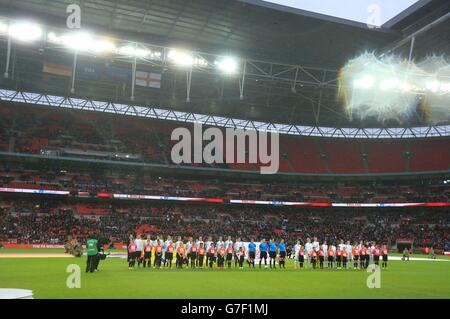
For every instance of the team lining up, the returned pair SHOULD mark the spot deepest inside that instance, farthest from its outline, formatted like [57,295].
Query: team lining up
[197,253]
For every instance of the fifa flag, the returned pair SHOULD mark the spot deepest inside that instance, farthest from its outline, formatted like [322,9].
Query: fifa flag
[57,69]
[148,79]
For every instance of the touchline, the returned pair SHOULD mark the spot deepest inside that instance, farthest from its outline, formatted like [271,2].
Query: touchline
[213,152]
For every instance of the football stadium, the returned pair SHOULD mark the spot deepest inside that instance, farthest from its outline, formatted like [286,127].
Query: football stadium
[226,149]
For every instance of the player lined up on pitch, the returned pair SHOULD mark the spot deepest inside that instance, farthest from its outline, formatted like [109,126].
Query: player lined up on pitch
[159,253]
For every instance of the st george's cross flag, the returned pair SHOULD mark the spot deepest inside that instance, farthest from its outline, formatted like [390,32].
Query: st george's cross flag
[148,79]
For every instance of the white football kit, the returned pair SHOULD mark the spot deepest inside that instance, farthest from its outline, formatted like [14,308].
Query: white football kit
[238,245]
[200,242]
[219,244]
[228,243]
[349,251]
[315,245]
[178,244]
[296,249]
[308,248]
[139,244]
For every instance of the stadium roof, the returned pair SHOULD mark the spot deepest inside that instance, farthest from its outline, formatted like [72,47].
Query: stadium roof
[383,12]
[220,25]
[249,31]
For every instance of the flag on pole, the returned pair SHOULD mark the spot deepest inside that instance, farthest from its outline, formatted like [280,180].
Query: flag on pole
[148,79]
[57,69]
[91,70]
[116,74]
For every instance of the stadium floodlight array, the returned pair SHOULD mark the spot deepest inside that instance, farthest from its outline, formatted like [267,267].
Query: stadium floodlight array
[82,41]
[25,31]
[3,27]
[368,82]
[406,86]
[228,65]
[136,51]
[365,82]
[77,42]
[185,58]
[85,42]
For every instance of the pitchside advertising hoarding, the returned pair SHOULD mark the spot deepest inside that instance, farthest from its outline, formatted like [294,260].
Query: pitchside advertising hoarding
[220,200]
[116,246]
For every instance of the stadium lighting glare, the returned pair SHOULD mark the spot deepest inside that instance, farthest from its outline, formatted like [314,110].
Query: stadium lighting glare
[406,87]
[136,52]
[432,86]
[445,88]
[3,27]
[102,46]
[86,42]
[200,62]
[227,65]
[25,31]
[82,42]
[365,82]
[181,58]
[78,41]
[53,38]
[389,84]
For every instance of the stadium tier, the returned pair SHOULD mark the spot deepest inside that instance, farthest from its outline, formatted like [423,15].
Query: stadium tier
[52,221]
[117,185]
[211,149]
[49,131]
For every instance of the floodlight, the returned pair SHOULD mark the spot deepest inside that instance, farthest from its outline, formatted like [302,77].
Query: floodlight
[406,87]
[181,58]
[365,82]
[25,31]
[133,51]
[432,86]
[126,50]
[83,42]
[389,84]
[141,53]
[444,87]
[53,38]
[3,27]
[227,65]
[79,41]
[102,46]
[199,61]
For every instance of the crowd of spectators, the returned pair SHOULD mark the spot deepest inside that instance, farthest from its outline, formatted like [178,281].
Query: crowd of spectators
[95,182]
[46,131]
[52,222]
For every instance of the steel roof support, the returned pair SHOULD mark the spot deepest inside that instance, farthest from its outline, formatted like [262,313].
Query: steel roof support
[158,113]
[8,58]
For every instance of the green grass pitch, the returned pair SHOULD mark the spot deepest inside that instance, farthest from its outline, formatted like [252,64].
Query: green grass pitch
[47,278]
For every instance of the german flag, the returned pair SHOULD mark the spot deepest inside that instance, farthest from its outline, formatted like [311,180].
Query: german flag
[57,69]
